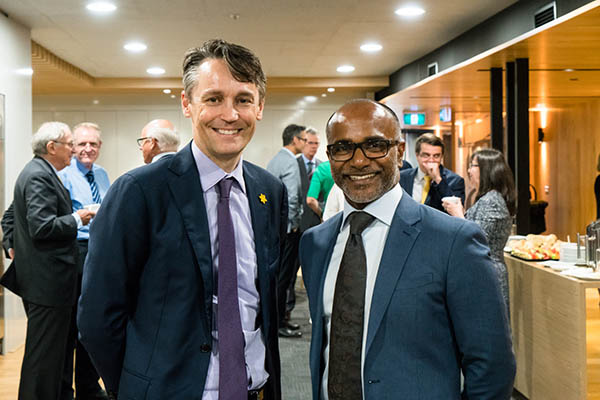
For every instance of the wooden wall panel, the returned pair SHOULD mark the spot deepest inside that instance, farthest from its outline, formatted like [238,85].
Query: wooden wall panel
[566,162]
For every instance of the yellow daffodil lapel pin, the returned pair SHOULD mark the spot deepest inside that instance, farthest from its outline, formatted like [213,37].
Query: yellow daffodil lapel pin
[262,198]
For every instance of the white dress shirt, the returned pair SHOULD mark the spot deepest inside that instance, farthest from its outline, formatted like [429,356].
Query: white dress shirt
[418,185]
[374,238]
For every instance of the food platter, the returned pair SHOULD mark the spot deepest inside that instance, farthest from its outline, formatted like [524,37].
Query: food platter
[535,248]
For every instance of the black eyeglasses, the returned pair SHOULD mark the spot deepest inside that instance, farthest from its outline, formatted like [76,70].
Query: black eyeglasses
[372,149]
[140,141]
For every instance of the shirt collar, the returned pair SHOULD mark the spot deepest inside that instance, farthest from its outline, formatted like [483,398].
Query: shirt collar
[383,208]
[161,155]
[210,173]
[306,160]
[420,174]
[81,167]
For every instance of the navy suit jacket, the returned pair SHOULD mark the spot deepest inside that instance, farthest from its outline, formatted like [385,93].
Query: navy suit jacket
[145,312]
[436,310]
[450,185]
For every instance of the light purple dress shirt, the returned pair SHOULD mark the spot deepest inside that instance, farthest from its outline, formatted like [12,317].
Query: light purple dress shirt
[210,175]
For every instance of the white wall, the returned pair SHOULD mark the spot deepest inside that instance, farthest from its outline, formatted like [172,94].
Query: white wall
[15,53]
[121,123]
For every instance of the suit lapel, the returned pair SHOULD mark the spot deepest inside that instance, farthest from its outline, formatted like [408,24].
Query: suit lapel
[260,214]
[188,195]
[400,240]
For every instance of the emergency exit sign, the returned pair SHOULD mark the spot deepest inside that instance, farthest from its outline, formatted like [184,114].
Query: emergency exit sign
[414,118]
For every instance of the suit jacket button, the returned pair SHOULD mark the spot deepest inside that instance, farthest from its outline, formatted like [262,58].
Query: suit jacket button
[205,348]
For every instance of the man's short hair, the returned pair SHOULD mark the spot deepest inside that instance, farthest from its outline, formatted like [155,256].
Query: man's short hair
[243,64]
[48,132]
[430,139]
[311,131]
[290,132]
[89,125]
[167,139]
[387,109]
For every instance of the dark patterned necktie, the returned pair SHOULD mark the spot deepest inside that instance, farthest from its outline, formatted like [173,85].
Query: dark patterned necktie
[233,381]
[311,167]
[347,317]
[93,187]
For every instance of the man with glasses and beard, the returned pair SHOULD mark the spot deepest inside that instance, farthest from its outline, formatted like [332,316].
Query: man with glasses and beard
[392,318]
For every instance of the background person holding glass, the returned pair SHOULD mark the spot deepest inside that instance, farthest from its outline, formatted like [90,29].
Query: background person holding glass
[495,204]
[429,182]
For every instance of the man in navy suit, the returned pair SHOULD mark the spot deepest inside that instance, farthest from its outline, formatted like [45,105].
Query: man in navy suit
[179,289]
[430,182]
[393,319]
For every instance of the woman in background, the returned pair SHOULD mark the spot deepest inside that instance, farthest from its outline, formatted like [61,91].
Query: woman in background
[495,204]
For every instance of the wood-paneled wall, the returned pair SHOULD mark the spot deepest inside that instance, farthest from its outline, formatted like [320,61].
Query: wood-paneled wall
[566,162]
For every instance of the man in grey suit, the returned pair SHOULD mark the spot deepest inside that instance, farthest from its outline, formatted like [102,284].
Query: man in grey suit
[44,268]
[393,319]
[285,167]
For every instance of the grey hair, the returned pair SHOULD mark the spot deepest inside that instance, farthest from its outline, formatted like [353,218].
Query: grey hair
[89,125]
[167,139]
[48,132]
[311,131]
[243,64]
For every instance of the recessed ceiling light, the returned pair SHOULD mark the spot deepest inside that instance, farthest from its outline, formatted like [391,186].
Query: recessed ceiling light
[135,47]
[410,11]
[478,120]
[568,70]
[167,91]
[324,95]
[234,16]
[96,101]
[331,90]
[345,68]
[310,99]
[25,71]
[101,7]
[155,71]
[371,47]
[172,96]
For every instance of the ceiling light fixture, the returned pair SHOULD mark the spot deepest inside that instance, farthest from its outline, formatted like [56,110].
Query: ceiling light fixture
[101,7]
[172,96]
[155,71]
[478,121]
[25,71]
[410,11]
[568,70]
[167,91]
[345,68]
[323,94]
[331,90]
[96,101]
[371,47]
[310,99]
[135,47]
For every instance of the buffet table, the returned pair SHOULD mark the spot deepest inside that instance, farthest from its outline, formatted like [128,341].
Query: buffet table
[548,319]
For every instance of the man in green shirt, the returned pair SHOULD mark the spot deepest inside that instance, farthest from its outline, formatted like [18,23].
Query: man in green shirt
[320,184]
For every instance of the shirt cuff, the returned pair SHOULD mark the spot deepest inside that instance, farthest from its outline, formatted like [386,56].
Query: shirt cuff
[78,220]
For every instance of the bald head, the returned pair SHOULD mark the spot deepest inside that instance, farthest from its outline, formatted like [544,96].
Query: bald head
[162,137]
[157,123]
[367,107]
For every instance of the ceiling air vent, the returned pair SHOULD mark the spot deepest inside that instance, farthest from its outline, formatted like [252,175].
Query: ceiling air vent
[545,14]
[432,69]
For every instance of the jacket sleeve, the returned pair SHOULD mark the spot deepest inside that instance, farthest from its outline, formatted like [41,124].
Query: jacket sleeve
[479,318]
[8,221]
[118,249]
[41,203]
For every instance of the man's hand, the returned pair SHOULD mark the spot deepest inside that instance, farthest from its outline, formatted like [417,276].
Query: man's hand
[433,170]
[314,205]
[86,215]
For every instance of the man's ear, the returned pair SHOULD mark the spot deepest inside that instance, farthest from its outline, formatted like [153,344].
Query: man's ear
[185,105]
[51,147]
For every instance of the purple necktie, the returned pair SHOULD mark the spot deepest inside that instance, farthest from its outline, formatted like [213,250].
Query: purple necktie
[233,381]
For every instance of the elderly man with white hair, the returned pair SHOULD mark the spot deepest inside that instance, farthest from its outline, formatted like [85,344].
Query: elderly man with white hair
[44,268]
[159,138]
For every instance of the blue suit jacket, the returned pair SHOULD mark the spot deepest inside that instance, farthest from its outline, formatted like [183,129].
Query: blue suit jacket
[450,185]
[436,310]
[145,312]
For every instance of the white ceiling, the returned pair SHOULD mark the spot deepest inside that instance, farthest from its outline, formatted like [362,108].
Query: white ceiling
[308,38]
